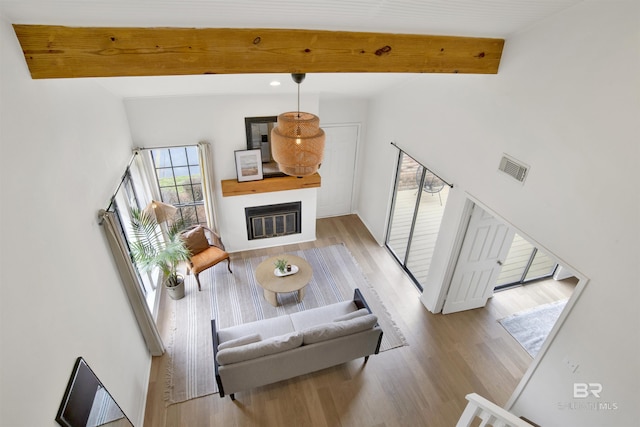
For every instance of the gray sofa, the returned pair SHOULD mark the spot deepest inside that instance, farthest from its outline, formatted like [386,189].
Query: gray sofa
[270,350]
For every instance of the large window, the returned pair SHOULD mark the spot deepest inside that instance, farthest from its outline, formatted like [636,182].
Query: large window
[524,263]
[180,182]
[125,199]
[418,205]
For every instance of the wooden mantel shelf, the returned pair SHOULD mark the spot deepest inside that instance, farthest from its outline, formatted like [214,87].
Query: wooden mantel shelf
[231,187]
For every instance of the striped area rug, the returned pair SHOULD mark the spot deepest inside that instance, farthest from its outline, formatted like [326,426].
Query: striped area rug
[236,298]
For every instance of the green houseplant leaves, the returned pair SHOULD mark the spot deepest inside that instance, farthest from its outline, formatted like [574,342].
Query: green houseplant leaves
[152,249]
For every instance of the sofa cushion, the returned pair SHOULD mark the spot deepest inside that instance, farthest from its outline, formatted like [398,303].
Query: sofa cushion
[267,328]
[352,315]
[254,350]
[332,330]
[247,339]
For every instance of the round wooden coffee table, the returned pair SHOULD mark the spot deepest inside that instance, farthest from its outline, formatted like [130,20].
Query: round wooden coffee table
[274,285]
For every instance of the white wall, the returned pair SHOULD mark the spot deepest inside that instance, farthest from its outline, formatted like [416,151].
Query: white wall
[64,145]
[219,120]
[565,102]
[347,110]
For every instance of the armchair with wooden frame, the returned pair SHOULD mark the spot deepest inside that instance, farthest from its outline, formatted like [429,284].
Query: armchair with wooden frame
[206,250]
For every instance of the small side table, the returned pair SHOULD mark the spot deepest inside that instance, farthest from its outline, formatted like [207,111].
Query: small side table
[274,285]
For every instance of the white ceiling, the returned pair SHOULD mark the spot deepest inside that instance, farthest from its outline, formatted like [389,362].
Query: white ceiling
[475,18]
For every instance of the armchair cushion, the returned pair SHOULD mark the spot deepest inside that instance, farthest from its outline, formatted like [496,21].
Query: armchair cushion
[195,240]
[207,258]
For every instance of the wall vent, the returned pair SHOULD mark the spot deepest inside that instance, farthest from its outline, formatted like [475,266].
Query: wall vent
[513,168]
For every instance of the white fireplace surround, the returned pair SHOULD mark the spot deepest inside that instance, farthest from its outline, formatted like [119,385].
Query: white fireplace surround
[233,225]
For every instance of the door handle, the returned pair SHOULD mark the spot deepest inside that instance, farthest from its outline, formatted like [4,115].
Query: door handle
[499,262]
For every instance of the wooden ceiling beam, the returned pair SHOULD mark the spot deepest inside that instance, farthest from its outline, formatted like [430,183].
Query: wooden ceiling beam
[67,52]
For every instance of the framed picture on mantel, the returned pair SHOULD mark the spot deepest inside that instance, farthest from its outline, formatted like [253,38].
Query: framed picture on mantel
[259,137]
[248,165]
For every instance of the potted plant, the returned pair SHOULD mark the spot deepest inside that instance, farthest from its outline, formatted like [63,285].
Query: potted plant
[152,249]
[281,265]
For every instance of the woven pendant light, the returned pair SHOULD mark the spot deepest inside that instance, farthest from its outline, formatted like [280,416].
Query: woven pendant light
[297,142]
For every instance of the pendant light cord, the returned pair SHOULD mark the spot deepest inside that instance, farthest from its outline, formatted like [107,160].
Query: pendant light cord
[298,100]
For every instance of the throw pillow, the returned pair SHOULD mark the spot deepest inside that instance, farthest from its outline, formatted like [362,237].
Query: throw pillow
[247,339]
[195,240]
[258,349]
[352,315]
[329,331]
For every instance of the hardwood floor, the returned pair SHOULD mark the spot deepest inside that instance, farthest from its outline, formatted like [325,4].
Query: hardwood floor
[421,384]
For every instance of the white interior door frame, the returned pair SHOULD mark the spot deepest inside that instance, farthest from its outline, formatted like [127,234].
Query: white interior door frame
[452,258]
[486,243]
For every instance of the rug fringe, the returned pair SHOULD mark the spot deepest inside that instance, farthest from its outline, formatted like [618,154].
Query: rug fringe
[168,360]
[385,310]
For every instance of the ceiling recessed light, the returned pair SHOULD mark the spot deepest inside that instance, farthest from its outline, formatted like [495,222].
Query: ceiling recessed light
[275,83]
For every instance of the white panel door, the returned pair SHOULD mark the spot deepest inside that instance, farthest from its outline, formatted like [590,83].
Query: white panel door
[485,247]
[337,171]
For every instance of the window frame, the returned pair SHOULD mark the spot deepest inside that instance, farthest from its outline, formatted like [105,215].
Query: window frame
[197,207]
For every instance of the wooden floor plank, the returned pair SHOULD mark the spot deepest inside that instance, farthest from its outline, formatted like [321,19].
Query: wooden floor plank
[423,383]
